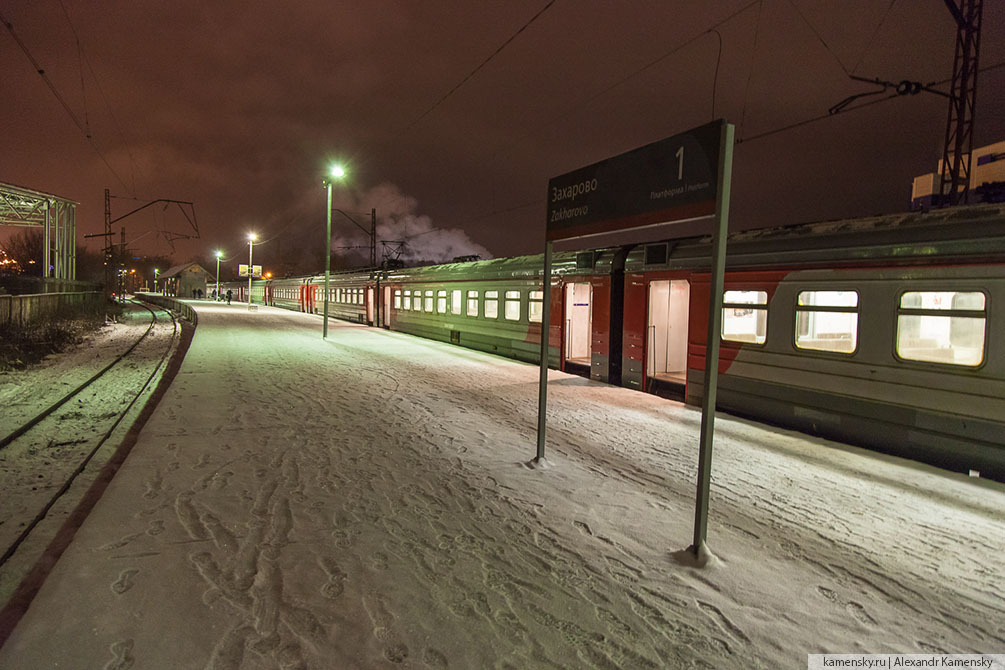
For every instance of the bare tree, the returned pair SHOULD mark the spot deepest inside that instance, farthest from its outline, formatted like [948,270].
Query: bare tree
[26,247]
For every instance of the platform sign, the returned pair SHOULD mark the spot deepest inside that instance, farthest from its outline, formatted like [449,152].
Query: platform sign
[242,270]
[680,178]
[674,179]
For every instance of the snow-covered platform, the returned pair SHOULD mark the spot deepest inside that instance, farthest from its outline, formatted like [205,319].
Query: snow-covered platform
[364,502]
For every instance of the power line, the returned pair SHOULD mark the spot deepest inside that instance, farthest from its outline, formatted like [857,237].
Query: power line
[868,45]
[829,115]
[750,73]
[631,75]
[819,37]
[475,71]
[59,97]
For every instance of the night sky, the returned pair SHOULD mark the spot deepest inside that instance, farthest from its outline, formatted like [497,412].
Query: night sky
[239,107]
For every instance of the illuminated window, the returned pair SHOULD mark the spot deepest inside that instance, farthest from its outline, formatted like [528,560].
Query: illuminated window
[429,302]
[942,327]
[397,298]
[745,316]
[455,302]
[491,304]
[407,302]
[536,306]
[827,321]
[511,305]
[416,301]
[441,302]
[472,303]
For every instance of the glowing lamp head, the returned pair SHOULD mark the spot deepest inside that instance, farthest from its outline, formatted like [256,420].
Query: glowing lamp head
[336,171]
[219,254]
[252,237]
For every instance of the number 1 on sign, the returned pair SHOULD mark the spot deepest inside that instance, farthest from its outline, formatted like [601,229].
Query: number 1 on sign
[680,163]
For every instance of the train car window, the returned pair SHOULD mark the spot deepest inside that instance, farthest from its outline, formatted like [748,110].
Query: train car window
[359,296]
[827,321]
[416,301]
[407,300]
[397,298]
[745,316]
[942,327]
[429,302]
[511,305]
[491,304]
[441,302]
[536,306]
[455,301]
[472,303]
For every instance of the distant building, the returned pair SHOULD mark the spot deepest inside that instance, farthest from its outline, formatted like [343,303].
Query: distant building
[987,180]
[185,281]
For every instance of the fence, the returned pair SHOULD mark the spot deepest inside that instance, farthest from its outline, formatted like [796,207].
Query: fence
[173,304]
[23,310]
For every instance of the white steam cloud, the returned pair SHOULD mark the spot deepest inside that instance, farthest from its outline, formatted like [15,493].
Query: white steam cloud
[397,220]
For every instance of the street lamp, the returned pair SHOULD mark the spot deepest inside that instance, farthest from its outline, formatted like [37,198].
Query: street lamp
[156,272]
[218,254]
[336,172]
[251,268]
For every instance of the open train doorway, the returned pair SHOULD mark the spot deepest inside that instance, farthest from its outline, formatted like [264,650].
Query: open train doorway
[666,338]
[370,307]
[578,322]
[386,307]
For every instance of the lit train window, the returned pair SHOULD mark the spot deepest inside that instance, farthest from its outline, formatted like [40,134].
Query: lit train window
[536,306]
[827,321]
[511,305]
[745,316]
[942,327]
[441,302]
[455,301]
[407,304]
[429,302]
[416,301]
[397,298]
[491,304]
[472,303]
[359,296]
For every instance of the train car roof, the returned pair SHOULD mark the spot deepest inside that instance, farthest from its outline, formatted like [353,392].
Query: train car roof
[960,234]
[592,262]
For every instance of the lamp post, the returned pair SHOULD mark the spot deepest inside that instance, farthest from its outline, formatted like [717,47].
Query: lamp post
[336,172]
[218,254]
[251,268]
[156,272]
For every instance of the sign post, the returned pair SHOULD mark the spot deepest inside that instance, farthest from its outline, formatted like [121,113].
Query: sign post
[680,178]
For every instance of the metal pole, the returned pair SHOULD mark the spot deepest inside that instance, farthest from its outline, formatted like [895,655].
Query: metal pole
[218,276]
[542,402]
[328,257]
[251,271]
[712,338]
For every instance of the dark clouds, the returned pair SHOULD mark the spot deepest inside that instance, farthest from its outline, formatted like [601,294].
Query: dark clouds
[239,106]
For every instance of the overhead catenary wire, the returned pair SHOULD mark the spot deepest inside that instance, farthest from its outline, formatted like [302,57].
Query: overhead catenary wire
[62,101]
[872,38]
[750,72]
[471,74]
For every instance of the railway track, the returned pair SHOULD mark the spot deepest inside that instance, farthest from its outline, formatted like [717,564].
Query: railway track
[58,447]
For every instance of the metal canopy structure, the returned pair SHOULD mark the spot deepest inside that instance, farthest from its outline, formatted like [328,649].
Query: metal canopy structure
[21,206]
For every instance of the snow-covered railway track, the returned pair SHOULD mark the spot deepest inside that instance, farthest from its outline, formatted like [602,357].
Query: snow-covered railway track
[44,458]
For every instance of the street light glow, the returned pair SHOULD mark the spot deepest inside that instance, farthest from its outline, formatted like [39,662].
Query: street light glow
[252,236]
[337,171]
[219,254]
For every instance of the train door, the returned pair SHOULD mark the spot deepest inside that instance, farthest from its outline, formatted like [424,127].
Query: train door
[387,307]
[369,306]
[578,314]
[666,337]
